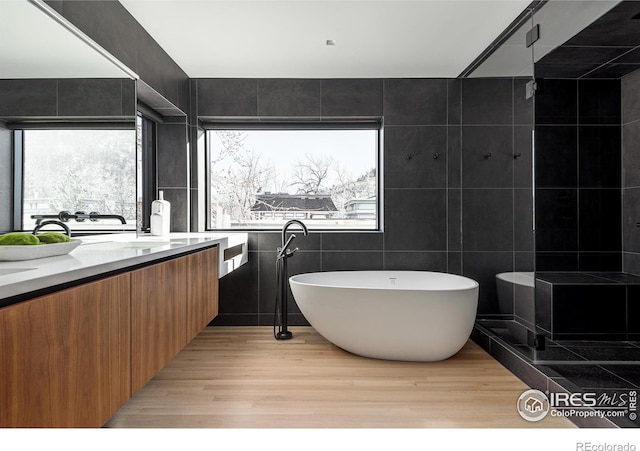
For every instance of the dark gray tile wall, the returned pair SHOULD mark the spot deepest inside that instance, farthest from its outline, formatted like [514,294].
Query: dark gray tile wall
[578,175]
[112,98]
[497,221]
[447,208]
[172,168]
[5,179]
[631,172]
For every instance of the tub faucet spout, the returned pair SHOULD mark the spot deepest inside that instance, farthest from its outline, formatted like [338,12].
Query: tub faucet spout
[286,227]
[280,320]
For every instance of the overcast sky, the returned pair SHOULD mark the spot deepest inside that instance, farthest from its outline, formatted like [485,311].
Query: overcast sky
[355,150]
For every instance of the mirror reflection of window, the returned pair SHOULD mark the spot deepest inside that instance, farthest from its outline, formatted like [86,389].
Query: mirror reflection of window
[80,170]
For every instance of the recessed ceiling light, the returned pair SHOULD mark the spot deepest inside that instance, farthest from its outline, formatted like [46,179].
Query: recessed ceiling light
[331,42]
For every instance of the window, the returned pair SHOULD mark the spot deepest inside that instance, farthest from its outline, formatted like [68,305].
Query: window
[261,178]
[79,171]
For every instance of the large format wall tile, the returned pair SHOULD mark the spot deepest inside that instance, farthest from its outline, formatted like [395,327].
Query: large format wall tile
[599,102]
[415,219]
[631,219]
[483,267]
[556,156]
[487,101]
[522,156]
[415,261]
[600,156]
[352,241]
[415,157]
[239,289]
[90,97]
[487,219]
[415,102]
[171,154]
[631,97]
[348,97]
[227,97]
[289,98]
[599,220]
[557,102]
[487,156]
[556,220]
[631,154]
[352,261]
[28,97]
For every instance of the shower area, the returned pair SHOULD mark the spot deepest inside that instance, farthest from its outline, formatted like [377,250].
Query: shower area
[569,298]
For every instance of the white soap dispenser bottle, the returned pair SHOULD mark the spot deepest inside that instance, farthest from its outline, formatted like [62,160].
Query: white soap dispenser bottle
[160,216]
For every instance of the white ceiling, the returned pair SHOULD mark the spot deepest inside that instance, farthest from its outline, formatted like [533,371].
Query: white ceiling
[33,45]
[287,39]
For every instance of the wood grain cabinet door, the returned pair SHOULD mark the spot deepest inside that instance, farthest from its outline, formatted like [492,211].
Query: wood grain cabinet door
[65,357]
[202,305]
[158,318]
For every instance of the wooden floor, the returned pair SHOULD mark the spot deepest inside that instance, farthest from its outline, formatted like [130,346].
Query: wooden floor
[240,377]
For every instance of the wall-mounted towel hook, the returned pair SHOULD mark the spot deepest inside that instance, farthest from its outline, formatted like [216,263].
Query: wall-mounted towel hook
[516,156]
[409,156]
[488,155]
[436,156]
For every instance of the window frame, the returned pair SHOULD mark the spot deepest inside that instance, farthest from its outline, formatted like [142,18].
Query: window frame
[148,151]
[367,123]
[18,138]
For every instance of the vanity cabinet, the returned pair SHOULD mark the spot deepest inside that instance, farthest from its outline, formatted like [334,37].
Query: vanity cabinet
[202,291]
[171,302]
[74,357]
[158,318]
[65,357]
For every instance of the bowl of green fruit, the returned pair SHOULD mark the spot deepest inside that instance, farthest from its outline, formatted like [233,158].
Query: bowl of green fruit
[16,246]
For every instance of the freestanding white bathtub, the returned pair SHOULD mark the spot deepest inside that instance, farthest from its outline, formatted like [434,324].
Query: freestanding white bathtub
[393,315]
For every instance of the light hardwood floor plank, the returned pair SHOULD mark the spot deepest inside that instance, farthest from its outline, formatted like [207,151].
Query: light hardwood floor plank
[241,377]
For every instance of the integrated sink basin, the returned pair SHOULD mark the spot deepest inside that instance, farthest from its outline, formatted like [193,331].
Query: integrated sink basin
[115,245]
[6,272]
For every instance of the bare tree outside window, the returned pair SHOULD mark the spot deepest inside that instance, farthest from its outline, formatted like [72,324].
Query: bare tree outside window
[80,170]
[262,178]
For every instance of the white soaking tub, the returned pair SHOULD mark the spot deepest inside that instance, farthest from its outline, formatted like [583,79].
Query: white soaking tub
[393,315]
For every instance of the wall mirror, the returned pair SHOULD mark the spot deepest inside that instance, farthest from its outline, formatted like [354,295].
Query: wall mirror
[67,122]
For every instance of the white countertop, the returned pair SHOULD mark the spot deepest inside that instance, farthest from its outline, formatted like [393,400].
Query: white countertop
[102,254]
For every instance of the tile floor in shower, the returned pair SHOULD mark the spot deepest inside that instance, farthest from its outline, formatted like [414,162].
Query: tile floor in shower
[571,366]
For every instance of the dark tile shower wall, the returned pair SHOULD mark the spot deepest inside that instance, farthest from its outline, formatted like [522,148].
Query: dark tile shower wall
[578,180]
[496,189]
[427,199]
[631,172]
